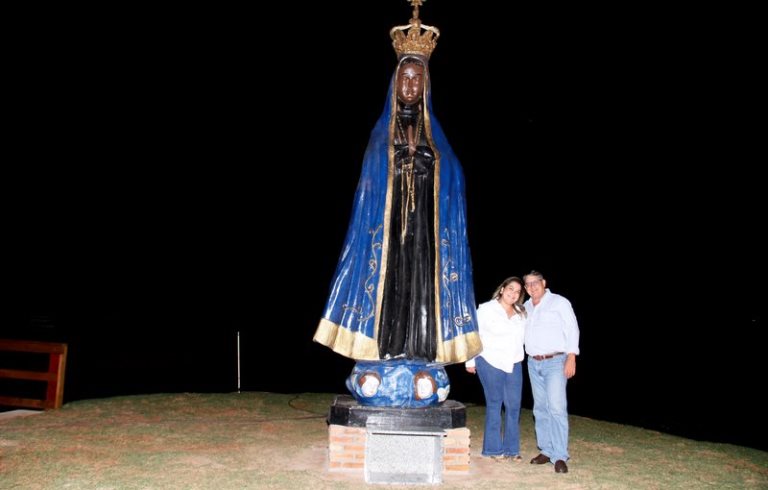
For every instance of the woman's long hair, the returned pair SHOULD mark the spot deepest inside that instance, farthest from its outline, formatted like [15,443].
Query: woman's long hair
[518,306]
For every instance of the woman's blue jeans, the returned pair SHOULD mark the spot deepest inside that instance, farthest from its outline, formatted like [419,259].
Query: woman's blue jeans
[501,389]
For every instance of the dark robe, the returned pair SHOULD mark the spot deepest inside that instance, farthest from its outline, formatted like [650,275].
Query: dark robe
[408,311]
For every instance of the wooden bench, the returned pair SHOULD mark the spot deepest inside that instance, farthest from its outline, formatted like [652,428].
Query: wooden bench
[54,377]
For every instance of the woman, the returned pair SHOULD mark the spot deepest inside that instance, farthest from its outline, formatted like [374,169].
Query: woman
[499,366]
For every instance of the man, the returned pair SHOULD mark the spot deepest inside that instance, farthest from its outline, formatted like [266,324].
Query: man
[552,344]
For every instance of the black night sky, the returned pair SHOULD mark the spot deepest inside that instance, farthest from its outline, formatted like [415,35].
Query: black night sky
[190,174]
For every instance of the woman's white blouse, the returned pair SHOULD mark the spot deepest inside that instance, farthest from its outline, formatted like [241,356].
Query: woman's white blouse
[502,336]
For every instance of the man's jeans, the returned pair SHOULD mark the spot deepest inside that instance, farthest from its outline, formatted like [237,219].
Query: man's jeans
[550,405]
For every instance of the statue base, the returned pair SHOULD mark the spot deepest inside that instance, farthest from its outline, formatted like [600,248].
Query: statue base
[347,412]
[398,445]
[404,383]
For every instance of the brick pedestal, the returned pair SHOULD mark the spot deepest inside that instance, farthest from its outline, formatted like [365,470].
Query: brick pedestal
[350,424]
[346,449]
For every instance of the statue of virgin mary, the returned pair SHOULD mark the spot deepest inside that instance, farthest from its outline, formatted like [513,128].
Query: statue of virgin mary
[403,288]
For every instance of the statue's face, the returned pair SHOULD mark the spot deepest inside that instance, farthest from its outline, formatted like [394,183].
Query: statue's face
[423,388]
[370,386]
[410,83]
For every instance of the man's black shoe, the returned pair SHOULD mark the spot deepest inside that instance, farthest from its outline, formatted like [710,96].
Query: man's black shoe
[540,459]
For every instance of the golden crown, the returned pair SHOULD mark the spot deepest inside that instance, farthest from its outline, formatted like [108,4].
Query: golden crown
[415,42]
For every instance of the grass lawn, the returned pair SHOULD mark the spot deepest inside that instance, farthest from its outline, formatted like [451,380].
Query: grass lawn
[267,440]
